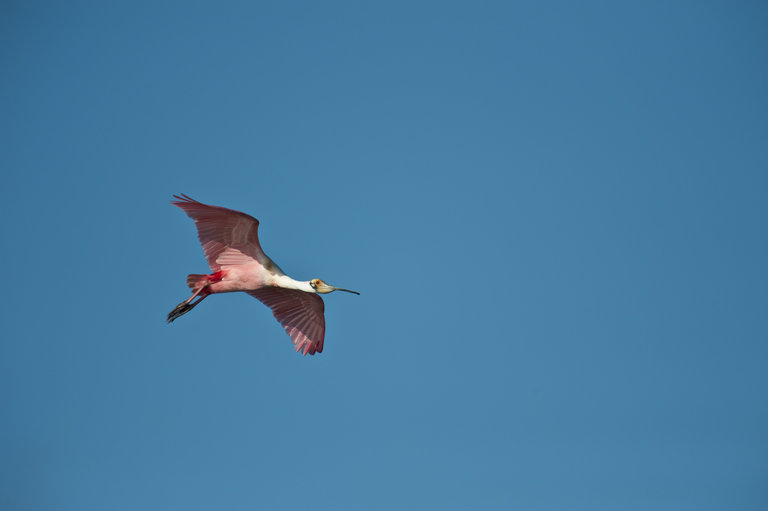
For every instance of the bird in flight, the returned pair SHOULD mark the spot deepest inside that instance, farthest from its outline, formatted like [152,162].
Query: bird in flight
[231,244]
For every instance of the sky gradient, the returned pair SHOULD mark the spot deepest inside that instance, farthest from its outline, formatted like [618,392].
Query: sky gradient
[555,212]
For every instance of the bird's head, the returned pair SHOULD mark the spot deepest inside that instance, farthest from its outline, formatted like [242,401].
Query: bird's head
[321,287]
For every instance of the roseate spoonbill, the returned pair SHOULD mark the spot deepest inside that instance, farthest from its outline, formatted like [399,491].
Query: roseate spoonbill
[231,244]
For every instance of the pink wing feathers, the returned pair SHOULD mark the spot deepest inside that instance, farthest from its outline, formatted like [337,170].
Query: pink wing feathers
[300,313]
[228,237]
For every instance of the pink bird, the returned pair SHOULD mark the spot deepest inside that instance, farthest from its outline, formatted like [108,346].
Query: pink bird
[231,244]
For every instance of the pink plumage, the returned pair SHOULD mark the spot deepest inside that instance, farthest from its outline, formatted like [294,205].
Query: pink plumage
[300,313]
[221,230]
[231,245]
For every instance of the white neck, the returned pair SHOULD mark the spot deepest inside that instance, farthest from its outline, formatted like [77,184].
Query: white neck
[287,282]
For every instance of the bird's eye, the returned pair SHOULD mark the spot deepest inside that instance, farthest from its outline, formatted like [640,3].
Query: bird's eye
[312,283]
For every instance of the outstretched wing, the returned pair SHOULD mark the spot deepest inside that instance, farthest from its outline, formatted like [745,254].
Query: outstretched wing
[300,313]
[228,237]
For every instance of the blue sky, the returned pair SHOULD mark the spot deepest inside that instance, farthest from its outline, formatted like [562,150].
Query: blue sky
[555,212]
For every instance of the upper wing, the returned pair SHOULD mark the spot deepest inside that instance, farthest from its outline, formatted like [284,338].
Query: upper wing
[228,237]
[300,313]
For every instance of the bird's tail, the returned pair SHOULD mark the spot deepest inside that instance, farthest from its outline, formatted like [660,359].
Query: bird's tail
[194,280]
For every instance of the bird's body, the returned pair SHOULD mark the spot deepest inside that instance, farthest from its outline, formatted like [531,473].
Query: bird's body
[231,245]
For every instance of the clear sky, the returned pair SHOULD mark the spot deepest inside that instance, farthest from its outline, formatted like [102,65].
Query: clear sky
[556,213]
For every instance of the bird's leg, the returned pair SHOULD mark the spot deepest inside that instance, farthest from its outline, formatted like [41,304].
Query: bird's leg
[187,305]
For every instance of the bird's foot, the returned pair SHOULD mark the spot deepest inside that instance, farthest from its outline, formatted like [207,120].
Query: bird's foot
[187,305]
[180,310]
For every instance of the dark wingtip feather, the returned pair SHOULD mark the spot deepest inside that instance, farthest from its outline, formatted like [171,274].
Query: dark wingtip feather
[183,199]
